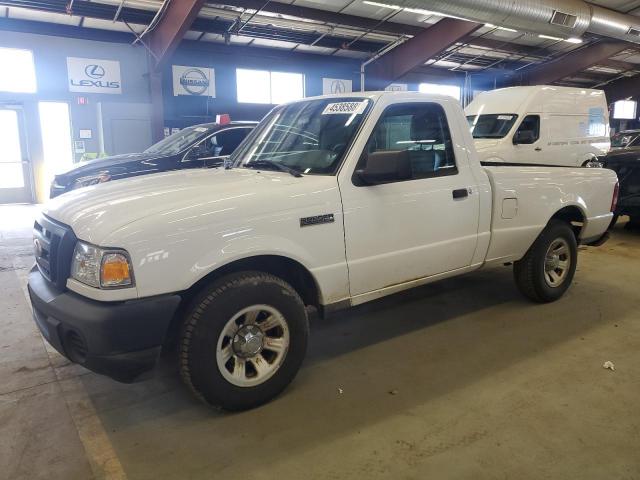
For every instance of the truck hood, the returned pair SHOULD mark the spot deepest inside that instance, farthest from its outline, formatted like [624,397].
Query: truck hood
[97,211]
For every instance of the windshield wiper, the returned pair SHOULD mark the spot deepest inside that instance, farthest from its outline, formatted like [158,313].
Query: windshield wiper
[273,165]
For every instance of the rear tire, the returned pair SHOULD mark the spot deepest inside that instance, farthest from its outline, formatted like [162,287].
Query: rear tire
[243,340]
[545,273]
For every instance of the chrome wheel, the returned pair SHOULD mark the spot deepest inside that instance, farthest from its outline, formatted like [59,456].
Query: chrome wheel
[557,263]
[252,346]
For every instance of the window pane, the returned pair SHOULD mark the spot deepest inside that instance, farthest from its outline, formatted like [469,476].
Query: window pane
[55,125]
[254,86]
[11,175]
[450,90]
[10,153]
[302,137]
[286,87]
[531,124]
[18,72]
[420,129]
[227,141]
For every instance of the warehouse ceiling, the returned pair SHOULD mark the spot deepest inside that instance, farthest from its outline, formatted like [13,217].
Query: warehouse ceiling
[350,28]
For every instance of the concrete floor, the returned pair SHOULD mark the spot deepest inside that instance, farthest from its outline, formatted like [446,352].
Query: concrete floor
[484,385]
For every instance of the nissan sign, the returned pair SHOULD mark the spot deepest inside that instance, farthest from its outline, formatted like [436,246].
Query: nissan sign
[197,81]
[89,75]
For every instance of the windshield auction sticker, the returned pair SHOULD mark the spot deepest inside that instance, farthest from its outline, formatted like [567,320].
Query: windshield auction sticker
[345,108]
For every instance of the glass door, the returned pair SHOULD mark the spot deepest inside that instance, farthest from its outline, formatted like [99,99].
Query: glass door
[15,174]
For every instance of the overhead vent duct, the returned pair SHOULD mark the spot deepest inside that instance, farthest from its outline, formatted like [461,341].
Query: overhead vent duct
[564,19]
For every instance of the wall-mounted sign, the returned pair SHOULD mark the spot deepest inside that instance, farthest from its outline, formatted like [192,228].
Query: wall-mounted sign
[397,87]
[336,85]
[86,133]
[94,76]
[194,81]
[79,147]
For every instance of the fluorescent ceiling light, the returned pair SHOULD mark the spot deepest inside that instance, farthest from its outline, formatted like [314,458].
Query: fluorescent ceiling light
[558,39]
[420,11]
[490,25]
[549,37]
[383,5]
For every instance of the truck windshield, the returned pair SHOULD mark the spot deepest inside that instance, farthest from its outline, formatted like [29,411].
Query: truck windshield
[178,141]
[491,126]
[308,137]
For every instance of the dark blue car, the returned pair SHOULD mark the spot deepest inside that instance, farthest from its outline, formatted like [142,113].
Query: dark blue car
[198,146]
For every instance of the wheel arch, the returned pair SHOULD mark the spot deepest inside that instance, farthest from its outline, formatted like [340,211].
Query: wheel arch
[291,271]
[574,216]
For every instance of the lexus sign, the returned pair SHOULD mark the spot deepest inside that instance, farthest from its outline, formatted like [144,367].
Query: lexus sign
[89,75]
[197,81]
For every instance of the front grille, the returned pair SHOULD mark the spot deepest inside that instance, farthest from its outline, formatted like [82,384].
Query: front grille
[53,247]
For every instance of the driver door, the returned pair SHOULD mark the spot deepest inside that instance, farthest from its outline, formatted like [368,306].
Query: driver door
[424,225]
[532,151]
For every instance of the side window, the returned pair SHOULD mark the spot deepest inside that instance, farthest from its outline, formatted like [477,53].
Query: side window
[529,129]
[226,141]
[421,129]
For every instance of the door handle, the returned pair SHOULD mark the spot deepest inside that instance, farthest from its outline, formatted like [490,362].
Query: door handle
[460,193]
[538,149]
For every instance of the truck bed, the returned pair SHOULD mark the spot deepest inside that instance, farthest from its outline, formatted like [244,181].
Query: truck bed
[525,197]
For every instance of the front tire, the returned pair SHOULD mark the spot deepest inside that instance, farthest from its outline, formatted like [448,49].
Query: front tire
[243,340]
[545,273]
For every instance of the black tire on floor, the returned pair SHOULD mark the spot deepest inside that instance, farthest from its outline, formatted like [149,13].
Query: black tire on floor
[204,323]
[633,223]
[529,272]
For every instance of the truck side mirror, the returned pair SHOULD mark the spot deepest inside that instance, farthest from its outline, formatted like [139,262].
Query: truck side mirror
[385,166]
[524,137]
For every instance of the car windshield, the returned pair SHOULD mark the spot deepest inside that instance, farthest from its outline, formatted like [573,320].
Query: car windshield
[178,141]
[623,139]
[491,126]
[309,137]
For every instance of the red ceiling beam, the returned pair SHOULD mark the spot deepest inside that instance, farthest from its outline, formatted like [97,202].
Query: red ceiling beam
[628,87]
[575,61]
[165,37]
[416,51]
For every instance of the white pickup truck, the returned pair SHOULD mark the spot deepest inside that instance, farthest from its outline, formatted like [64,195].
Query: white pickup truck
[330,202]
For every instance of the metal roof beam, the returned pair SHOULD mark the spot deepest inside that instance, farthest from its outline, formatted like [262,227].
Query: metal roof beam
[573,62]
[416,51]
[171,27]
[623,88]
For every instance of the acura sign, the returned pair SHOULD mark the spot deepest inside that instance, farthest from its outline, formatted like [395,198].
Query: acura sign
[336,86]
[89,75]
[197,81]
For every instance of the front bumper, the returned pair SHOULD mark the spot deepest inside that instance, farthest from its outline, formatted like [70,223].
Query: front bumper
[119,339]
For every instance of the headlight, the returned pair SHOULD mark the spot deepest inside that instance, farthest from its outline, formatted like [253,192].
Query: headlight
[101,268]
[92,180]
